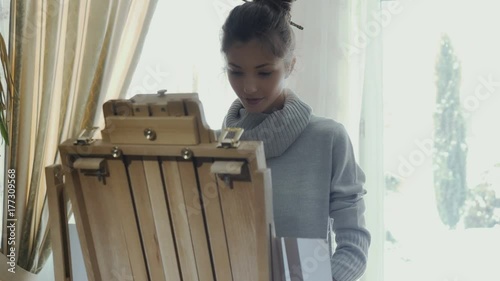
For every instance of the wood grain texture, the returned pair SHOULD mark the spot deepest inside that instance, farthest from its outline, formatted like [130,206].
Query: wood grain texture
[105,228]
[264,227]
[215,222]
[141,186]
[169,130]
[74,190]
[195,108]
[239,220]
[162,219]
[174,220]
[124,213]
[196,220]
[247,150]
[58,222]
[112,226]
[179,214]
[176,108]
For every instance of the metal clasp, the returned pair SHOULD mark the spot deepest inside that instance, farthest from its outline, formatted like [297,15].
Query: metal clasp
[227,170]
[92,167]
[86,136]
[230,137]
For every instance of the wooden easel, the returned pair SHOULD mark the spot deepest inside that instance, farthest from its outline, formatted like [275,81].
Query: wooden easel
[160,199]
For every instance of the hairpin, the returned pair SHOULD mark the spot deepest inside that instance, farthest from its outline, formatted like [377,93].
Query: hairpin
[291,22]
[296,25]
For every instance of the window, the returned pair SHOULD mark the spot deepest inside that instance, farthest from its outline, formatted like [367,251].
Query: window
[442,155]
[178,57]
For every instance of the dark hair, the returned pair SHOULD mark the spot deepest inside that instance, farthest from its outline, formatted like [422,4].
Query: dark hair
[265,20]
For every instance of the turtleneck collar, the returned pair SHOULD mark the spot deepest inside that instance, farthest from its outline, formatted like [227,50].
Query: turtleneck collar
[278,129]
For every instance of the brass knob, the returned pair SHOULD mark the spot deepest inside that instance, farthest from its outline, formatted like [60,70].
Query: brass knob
[116,152]
[186,153]
[150,134]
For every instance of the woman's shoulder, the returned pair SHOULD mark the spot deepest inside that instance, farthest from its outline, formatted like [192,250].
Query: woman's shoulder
[324,125]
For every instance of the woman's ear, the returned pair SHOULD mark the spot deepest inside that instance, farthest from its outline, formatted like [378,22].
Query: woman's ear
[290,67]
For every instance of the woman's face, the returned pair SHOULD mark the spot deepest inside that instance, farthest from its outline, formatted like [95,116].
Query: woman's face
[257,76]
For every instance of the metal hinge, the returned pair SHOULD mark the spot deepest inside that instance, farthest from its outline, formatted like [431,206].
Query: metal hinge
[229,171]
[92,167]
[86,136]
[230,137]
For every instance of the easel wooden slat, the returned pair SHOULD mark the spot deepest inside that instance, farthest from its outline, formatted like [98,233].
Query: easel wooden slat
[238,213]
[109,243]
[179,214]
[127,217]
[58,222]
[140,189]
[263,227]
[162,220]
[73,187]
[215,223]
[196,220]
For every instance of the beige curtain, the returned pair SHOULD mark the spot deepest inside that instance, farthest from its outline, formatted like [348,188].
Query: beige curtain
[68,57]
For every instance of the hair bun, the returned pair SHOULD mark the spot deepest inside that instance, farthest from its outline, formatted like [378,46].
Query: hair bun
[285,5]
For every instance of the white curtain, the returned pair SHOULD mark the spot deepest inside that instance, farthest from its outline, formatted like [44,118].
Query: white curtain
[327,76]
[181,54]
[337,73]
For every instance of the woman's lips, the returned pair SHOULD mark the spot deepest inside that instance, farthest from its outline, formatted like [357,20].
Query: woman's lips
[254,101]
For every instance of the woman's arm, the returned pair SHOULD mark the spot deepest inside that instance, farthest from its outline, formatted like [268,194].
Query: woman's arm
[347,211]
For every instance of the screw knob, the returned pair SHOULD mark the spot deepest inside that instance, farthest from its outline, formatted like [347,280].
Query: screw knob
[150,134]
[186,153]
[116,152]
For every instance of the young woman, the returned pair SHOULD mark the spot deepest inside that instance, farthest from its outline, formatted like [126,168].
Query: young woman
[317,185]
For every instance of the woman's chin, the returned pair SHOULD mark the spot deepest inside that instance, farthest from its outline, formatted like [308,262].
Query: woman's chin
[253,109]
[254,105]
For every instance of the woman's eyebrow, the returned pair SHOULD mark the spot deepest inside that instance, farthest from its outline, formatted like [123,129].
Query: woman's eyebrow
[258,66]
[262,65]
[234,65]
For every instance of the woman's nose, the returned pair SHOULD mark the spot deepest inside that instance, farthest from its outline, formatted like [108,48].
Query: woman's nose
[249,86]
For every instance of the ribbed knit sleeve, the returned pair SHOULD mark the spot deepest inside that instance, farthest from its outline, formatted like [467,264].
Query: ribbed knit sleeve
[347,210]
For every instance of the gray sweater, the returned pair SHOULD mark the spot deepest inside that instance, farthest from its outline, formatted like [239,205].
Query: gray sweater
[316,182]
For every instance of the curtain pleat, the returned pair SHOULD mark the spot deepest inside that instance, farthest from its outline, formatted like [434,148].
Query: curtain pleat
[63,50]
[96,80]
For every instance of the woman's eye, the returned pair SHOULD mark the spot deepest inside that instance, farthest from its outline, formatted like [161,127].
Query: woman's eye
[236,73]
[265,73]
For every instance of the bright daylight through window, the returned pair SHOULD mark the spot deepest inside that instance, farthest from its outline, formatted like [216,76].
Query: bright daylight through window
[442,160]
